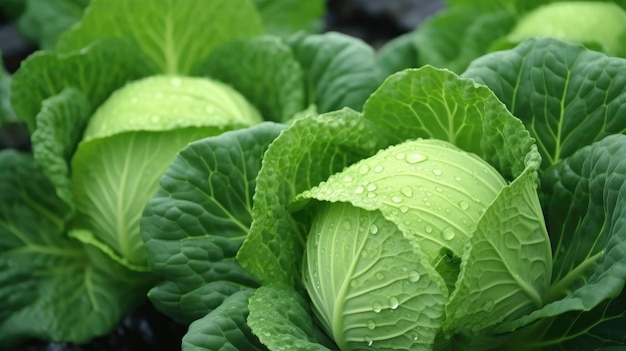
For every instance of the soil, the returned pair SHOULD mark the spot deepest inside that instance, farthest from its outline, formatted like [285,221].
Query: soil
[374,21]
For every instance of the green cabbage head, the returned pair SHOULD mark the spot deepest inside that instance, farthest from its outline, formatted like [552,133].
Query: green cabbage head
[128,144]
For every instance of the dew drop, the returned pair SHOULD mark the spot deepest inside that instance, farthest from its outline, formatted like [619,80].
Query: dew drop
[364,169]
[429,228]
[400,156]
[377,307]
[378,169]
[414,276]
[457,178]
[406,191]
[371,324]
[374,229]
[437,172]
[448,233]
[415,337]
[354,283]
[359,190]
[346,225]
[371,195]
[404,209]
[347,178]
[380,276]
[372,187]
[439,189]
[393,302]
[396,199]
[415,158]
[369,341]
[463,205]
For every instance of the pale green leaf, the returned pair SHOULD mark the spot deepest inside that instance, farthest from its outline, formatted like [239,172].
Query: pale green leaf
[281,319]
[434,103]
[506,268]
[285,17]
[113,179]
[370,283]
[303,155]
[173,35]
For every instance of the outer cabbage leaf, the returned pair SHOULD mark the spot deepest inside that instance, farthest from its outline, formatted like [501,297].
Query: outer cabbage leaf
[313,148]
[598,25]
[340,71]
[281,319]
[224,328]
[196,222]
[43,21]
[434,103]
[95,71]
[173,35]
[584,203]
[566,95]
[454,37]
[60,125]
[264,70]
[69,298]
[397,54]
[506,267]
[284,17]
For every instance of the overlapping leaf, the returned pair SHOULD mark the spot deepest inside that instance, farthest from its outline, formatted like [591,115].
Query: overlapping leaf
[173,35]
[566,95]
[199,217]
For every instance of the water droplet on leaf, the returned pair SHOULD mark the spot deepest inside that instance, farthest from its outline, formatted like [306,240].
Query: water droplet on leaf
[414,276]
[448,233]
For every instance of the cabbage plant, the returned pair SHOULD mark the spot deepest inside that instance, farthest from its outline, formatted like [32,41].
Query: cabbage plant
[475,212]
[465,30]
[107,110]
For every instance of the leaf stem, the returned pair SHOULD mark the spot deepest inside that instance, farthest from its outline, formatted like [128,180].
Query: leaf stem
[560,288]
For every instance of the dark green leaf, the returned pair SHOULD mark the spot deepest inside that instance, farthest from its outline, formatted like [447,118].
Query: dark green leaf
[74,295]
[584,201]
[43,21]
[566,95]
[198,219]
[264,70]
[224,328]
[60,125]
[95,71]
[340,71]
